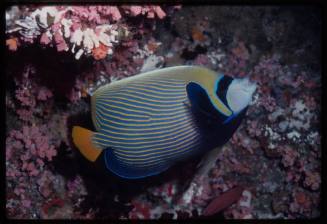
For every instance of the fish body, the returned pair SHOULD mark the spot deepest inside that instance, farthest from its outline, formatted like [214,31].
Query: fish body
[148,122]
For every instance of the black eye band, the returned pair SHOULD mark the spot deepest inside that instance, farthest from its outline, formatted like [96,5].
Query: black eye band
[222,87]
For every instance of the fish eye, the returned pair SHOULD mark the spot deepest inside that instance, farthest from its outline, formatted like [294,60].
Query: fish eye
[222,87]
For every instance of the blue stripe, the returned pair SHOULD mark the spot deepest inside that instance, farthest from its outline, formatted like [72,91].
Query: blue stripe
[123,109]
[139,109]
[139,103]
[122,170]
[134,145]
[144,89]
[146,96]
[157,152]
[162,156]
[146,84]
[136,96]
[231,117]
[126,108]
[160,83]
[121,121]
[154,138]
[97,122]
[149,134]
[137,130]
[164,160]
[128,127]
[215,90]
[148,130]
[106,113]
[152,90]
[161,90]
[217,83]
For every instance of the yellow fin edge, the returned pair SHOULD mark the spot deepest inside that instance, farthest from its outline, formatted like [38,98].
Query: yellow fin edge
[82,139]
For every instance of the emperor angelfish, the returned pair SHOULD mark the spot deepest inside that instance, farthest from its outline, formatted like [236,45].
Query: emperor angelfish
[148,122]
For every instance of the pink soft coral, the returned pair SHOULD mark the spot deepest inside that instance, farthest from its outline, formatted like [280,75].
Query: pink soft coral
[312,180]
[44,94]
[150,11]
[289,156]
[27,151]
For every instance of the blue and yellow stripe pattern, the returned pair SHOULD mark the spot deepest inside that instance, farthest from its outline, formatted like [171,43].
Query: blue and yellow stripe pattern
[145,123]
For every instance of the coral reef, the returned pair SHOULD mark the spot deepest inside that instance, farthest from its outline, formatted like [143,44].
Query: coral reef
[82,30]
[57,57]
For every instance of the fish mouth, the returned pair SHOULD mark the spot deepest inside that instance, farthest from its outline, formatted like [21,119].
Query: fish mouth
[239,93]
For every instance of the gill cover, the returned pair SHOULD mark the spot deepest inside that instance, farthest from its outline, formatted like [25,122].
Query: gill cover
[207,80]
[201,102]
[234,94]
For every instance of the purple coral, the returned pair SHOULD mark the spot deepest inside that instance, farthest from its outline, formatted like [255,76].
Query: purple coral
[289,155]
[301,203]
[312,180]
[277,147]
[35,140]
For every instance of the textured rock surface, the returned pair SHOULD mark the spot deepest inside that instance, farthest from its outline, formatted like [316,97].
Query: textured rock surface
[274,156]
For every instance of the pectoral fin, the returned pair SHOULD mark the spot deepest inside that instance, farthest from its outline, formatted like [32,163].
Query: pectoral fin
[82,138]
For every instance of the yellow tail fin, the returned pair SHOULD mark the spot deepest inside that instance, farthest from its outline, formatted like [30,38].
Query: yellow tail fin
[82,138]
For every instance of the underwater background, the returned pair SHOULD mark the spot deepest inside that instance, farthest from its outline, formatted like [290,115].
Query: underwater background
[56,56]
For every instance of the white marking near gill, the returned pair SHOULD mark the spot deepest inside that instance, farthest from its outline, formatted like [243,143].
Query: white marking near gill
[239,94]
